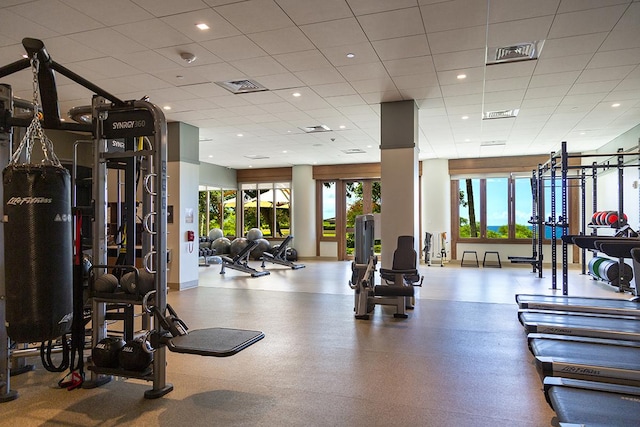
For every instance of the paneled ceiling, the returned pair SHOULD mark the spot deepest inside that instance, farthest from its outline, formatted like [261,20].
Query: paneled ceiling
[583,88]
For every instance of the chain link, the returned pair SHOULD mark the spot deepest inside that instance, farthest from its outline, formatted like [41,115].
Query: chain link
[34,130]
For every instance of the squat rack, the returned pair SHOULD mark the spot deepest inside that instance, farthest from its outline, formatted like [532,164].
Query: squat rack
[560,160]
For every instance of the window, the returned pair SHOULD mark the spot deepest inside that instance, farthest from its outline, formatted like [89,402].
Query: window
[328,209]
[216,209]
[494,208]
[267,206]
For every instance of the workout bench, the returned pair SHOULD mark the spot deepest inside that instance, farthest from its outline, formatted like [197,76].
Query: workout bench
[240,261]
[280,255]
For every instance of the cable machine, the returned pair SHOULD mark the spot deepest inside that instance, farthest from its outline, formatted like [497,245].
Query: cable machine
[139,129]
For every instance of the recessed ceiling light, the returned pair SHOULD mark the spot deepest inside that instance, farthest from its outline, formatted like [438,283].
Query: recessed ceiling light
[351,55]
[342,126]
[617,104]
[583,133]
[461,76]
[467,140]
[239,134]
[210,156]
[202,26]
[284,151]
[250,166]
[369,146]
[296,94]
[166,107]
[25,56]
[465,117]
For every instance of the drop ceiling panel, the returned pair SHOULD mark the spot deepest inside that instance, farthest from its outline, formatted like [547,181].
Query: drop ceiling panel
[186,24]
[586,21]
[355,72]
[107,41]
[626,34]
[402,47]
[521,31]
[567,63]
[203,56]
[320,76]
[334,89]
[576,5]
[310,11]
[218,72]
[254,16]
[284,40]
[459,60]
[302,61]
[364,7]
[55,15]
[109,13]
[153,33]
[447,15]
[410,66]
[458,40]
[281,81]
[509,70]
[554,79]
[66,50]
[338,32]
[615,58]
[388,25]
[234,48]
[363,52]
[512,10]
[148,61]
[261,66]
[576,45]
[170,7]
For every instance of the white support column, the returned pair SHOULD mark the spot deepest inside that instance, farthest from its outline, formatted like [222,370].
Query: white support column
[303,225]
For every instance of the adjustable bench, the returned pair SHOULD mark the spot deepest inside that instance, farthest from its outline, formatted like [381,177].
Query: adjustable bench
[280,255]
[240,261]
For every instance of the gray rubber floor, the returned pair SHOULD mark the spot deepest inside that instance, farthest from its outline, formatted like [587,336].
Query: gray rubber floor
[460,359]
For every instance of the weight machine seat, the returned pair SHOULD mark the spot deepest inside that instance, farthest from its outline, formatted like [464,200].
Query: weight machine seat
[581,402]
[404,263]
[216,342]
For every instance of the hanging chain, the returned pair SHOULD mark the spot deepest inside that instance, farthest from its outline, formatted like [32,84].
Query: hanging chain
[34,130]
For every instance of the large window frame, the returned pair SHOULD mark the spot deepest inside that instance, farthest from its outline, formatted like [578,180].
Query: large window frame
[225,207]
[267,206]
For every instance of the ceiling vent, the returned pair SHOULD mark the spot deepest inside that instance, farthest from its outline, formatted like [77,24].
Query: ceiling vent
[242,86]
[500,114]
[514,53]
[353,151]
[318,128]
[256,156]
[492,143]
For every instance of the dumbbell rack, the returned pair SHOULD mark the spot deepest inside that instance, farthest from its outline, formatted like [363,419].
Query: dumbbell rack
[126,123]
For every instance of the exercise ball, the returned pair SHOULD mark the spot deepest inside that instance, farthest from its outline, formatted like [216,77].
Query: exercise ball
[221,245]
[146,282]
[107,283]
[237,245]
[105,353]
[215,233]
[136,355]
[292,254]
[263,246]
[254,234]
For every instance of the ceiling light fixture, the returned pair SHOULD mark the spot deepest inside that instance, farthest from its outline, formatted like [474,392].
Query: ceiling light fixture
[465,117]
[351,55]
[166,107]
[461,76]
[296,94]
[342,126]
[617,104]
[240,135]
[202,26]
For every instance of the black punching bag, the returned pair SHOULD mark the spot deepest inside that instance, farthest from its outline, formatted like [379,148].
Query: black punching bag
[38,252]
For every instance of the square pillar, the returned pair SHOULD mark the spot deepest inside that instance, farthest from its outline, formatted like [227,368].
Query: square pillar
[399,175]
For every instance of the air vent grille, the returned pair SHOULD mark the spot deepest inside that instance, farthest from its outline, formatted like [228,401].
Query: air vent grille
[242,86]
[353,151]
[500,114]
[517,52]
[256,156]
[492,143]
[317,128]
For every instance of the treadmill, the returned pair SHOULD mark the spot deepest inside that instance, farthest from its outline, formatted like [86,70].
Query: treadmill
[590,403]
[614,306]
[580,324]
[594,359]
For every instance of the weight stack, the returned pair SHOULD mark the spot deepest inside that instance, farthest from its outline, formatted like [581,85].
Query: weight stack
[38,252]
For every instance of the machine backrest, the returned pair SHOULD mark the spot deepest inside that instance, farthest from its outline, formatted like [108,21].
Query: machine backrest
[405,256]
[283,246]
